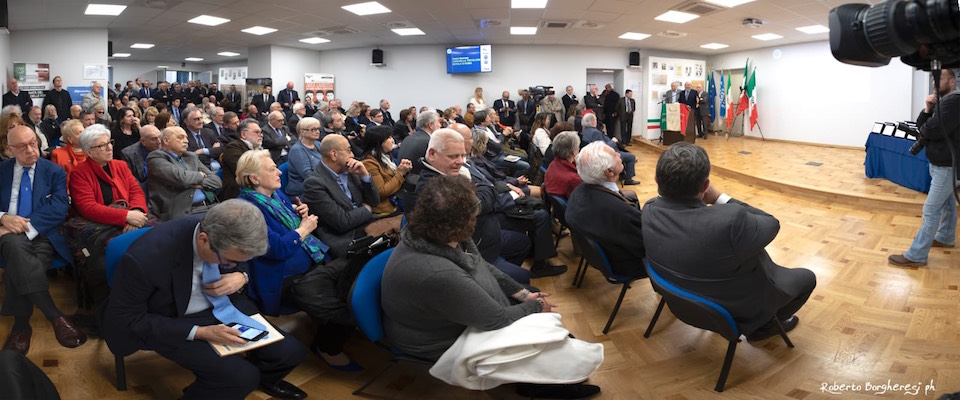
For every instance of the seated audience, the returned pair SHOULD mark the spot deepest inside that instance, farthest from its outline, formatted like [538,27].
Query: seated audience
[405,126]
[50,126]
[179,184]
[339,192]
[165,120]
[388,177]
[304,155]
[8,121]
[414,147]
[148,310]
[436,286]
[592,134]
[150,116]
[375,118]
[277,138]
[598,210]
[135,155]
[201,141]
[107,201]
[541,134]
[730,265]
[559,127]
[561,177]
[483,123]
[126,131]
[33,121]
[504,183]
[468,117]
[295,267]
[228,133]
[250,139]
[35,202]
[70,155]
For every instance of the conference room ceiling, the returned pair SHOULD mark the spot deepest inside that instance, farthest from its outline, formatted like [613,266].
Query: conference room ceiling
[445,22]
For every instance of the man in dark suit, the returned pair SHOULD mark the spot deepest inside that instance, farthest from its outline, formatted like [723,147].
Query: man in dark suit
[60,99]
[506,109]
[202,141]
[592,134]
[250,138]
[689,97]
[610,99]
[385,109]
[33,197]
[598,210]
[216,121]
[728,264]
[287,98]
[626,106]
[179,184]
[163,95]
[299,112]
[135,155]
[146,92]
[414,147]
[236,99]
[526,110]
[216,93]
[702,114]
[264,100]
[17,98]
[277,137]
[178,285]
[569,99]
[339,192]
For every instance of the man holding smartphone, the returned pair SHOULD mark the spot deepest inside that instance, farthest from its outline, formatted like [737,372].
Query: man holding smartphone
[169,296]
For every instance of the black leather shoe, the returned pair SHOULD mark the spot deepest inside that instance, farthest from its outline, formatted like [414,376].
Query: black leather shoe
[542,270]
[630,182]
[19,341]
[574,391]
[284,390]
[770,329]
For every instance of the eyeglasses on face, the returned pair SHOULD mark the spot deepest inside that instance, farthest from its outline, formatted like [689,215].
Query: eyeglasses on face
[24,146]
[103,146]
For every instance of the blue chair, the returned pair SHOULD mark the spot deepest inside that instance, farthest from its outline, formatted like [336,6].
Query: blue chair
[699,312]
[283,176]
[367,311]
[220,173]
[115,250]
[594,255]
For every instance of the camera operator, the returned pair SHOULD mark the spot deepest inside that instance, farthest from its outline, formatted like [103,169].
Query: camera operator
[939,210]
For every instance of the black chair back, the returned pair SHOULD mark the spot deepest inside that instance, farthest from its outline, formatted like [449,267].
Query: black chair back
[691,308]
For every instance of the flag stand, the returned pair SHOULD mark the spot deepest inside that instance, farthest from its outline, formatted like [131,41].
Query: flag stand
[734,123]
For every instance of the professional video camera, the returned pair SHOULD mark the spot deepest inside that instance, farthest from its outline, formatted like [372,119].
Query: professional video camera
[539,92]
[917,31]
[911,129]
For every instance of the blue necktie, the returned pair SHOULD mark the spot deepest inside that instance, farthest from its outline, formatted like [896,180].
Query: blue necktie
[25,200]
[223,309]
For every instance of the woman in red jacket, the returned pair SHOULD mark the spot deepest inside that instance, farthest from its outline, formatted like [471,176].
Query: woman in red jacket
[107,201]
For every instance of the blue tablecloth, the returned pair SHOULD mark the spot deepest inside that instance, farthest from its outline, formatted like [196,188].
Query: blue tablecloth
[889,157]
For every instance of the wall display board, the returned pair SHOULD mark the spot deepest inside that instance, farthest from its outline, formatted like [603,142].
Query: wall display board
[319,85]
[663,71]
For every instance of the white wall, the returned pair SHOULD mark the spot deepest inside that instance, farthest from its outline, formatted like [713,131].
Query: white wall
[258,62]
[129,70]
[808,96]
[290,64]
[66,50]
[5,60]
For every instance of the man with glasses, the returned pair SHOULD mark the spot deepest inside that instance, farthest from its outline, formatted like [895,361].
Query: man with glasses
[202,141]
[251,138]
[179,184]
[277,137]
[33,205]
[135,154]
[179,286]
[339,192]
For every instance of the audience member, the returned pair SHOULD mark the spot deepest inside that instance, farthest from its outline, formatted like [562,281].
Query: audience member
[550,104]
[559,127]
[33,121]
[304,156]
[135,155]
[561,177]
[277,138]
[50,126]
[385,110]
[287,98]
[299,111]
[388,176]
[592,134]
[92,97]
[414,147]
[263,100]
[202,141]
[179,184]
[405,126]
[125,132]
[541,134]
[150,116]
[58,98]
[16,97]
[75,111]
[483,123]
[569,99]
[251,138]
[506,109]
[7,122]
[70,154]
[626,107]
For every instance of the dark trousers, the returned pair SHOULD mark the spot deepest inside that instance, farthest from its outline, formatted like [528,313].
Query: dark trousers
[21,379]
[514,246]
[796,285]
[235,376]
[610,122]
[539,230]
[626,130]
[316,293]
[26,271]
[701,127]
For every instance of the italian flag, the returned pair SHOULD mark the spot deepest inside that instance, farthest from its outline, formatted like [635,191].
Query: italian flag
[752,88]
[744,92]
[729,105]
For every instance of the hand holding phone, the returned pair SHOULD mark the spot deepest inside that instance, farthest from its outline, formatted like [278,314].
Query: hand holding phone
[248,333]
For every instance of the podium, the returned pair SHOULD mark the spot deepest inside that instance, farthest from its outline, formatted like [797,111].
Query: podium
[672,114]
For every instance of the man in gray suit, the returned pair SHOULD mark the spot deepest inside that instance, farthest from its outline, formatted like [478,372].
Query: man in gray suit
[277,137]
[672,95]
[136,154]
[717,251]
[339,192]
[179,183]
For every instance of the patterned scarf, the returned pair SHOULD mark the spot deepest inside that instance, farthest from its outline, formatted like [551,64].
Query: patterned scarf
[285,214]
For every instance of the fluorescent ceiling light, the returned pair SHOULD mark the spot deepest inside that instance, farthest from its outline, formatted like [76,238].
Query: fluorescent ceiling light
[408,31]
[634,36]
[208,20]
[714,46]
[367,8]
[315,40]
[193,59]
[606,71]
[163,67]
[528,3]
[228,54]
[141,46]
[104,9]
[813,29]
[767,36]
[676,17]
[728,3]
[121,55]
[258,30]
[523,30]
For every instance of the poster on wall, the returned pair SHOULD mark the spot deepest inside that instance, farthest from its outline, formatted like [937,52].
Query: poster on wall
[319,85]
[32,78]
[95,72]
[664,71]
[236,76]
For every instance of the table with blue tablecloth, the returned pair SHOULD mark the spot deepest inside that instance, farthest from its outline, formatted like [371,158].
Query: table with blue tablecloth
[889,157]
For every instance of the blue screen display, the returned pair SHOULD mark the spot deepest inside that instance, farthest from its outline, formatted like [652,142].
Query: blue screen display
[469,59]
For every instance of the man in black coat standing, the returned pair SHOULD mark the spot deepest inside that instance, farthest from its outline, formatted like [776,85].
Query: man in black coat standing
[59,98]
[610,99]
[569,99]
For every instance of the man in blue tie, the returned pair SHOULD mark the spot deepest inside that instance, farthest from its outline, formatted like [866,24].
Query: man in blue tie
[33,205]
[178,286]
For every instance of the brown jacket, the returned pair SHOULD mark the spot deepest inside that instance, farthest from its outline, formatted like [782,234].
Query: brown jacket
[387,182]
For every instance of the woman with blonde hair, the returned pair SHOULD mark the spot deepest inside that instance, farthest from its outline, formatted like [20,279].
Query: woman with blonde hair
[150,116]
[477,99]
[70,154]
[8,121]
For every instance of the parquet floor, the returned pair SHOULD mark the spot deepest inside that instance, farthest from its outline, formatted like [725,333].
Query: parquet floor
[866,324]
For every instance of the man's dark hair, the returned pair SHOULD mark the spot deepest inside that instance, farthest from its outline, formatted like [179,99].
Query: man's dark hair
[446,211]
[628,91]
[229,116]
[682,170]
[374,112]
[479,117]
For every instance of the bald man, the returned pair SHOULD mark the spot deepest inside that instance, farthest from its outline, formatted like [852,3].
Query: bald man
[340,193]
[135,154]
[277,137]
[287,97]
[17,98]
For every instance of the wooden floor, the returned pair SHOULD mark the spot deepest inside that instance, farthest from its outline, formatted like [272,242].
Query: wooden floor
[866,324]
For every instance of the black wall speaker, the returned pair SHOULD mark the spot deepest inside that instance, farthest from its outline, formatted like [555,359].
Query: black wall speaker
[3,14]
[377,58]
[109,48]
[634,58]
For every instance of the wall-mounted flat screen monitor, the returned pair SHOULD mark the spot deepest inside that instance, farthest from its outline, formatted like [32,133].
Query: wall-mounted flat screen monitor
[469,59]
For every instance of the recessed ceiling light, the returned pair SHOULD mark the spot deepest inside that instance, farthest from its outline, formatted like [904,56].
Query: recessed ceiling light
[228,54]
[104,9]
[193,59]
[163,67]
[141,46]
[367,8]
[528,3]
[676,17]
[258,30]
[634,36]
[523,30]
[208,20]
[767,36]
[813,29]
[408,31]
[714,46]
[315,40]
[121,55]
[728,3]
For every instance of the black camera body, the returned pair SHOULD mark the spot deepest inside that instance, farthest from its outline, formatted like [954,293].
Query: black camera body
[912,130]
[539,92]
